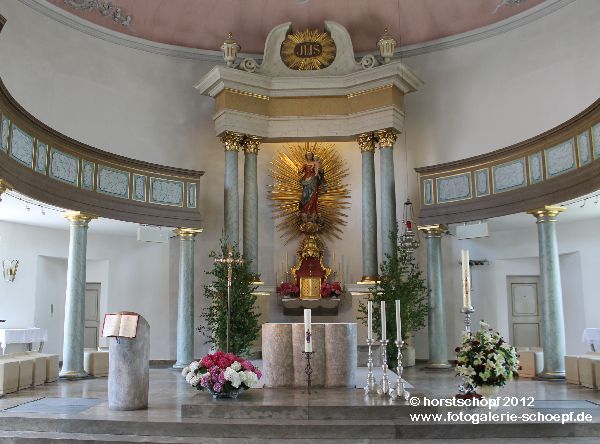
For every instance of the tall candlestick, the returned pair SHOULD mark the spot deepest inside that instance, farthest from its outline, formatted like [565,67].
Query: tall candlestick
[466,278]
[383,333]
[307,331]
[286,261]
[398,322]
[370,320]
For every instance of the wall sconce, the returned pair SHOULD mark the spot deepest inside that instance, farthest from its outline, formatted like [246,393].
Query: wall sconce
[9,268]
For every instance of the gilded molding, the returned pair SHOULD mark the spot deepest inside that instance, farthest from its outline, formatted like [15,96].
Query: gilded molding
[232,141]
[251,144]
[79,216]
[188,233]
[366,142]
[4,186]
[547,213]
[434,230]
[386,137]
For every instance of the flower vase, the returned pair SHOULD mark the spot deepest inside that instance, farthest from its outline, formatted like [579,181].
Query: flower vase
[488,391]
[232,394]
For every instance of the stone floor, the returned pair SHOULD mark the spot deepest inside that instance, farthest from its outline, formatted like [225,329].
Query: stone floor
[178,413]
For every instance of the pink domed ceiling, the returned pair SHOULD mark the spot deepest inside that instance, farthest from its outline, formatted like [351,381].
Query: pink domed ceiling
[204,24]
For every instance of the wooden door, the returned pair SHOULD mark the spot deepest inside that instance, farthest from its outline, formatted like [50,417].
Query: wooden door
[524,311]
[92,315]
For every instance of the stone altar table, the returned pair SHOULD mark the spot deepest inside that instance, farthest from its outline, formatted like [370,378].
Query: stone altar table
[333,360]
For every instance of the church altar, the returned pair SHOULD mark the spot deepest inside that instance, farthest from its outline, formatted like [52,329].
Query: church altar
[333,361]
[22,336]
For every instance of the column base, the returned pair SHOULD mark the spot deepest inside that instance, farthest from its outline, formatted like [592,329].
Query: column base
[550,375]
[365,280]
[72,375]
[438,365]
[180,365]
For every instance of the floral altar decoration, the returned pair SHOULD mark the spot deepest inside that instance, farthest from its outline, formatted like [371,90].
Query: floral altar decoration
[331,290]
[485,359]
[223,375]
[289,290]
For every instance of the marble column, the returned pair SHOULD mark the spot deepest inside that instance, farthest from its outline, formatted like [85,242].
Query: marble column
[366,142]
[436,325]
[185,298]
[4,186]
[386,139]
[232,143]
[553,324]
[250,216]
[74,327]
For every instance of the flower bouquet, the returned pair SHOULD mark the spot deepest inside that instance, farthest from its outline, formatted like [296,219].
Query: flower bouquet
[223,375]
[331,290]
[485,359]
[289,290]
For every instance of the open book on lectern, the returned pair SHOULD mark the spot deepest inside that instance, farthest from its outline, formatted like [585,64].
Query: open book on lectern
[122,325]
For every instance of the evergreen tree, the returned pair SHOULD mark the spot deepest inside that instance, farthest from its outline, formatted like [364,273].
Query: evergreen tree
[244,327]
[400,279]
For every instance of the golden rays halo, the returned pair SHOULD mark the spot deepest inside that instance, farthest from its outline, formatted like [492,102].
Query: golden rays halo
[286,190]
[310,49]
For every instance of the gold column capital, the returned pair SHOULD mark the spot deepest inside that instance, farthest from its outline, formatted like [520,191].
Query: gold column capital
[4,186]
[232,141]
[187,233]
[434,230]
[387,137]
[251,144]
[79,216]
[547,212]
[366,142]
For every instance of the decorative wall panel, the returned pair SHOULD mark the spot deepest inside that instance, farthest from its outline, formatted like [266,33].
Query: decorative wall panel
[21,146]
[536,173]
[583,148]
[453,188]
[428,192]
[166,192]
[112,181]
[192,195]
[482,182]
[508,176]
[64,167]
[596,140]
[87,175]
[41,158]
[139,188]
[560,158]
[4,133]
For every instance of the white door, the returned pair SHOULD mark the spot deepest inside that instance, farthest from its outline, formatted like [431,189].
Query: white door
[524,311]
[92,321]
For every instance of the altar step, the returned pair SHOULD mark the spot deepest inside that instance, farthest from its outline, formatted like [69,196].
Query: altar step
[15,429]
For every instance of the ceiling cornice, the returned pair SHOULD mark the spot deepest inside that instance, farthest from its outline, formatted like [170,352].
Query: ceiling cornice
[82,25]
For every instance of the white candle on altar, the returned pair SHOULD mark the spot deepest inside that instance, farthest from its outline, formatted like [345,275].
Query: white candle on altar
[383,321]
[286,261]
[398,322]
[370,320]
[307,331]
[466,278]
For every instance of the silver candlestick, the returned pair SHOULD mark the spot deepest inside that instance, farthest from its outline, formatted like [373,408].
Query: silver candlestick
[371,387]
[399,391]
[384,388]
[468,311]
[466,389]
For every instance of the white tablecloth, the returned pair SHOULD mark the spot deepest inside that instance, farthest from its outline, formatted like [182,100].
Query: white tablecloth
[21,336]
[592,337]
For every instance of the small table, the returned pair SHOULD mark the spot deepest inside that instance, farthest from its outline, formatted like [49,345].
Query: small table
[22,336]
[592,337]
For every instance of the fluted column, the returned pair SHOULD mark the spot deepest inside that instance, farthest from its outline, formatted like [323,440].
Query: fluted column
[4,186]
[74,328]
[386,139]
[232,143]
[553,323]
[436,326]
[366,142]
[185,299]
[250,222]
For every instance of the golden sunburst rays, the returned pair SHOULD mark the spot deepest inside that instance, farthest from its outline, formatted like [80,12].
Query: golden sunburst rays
[286,190]
[310,49]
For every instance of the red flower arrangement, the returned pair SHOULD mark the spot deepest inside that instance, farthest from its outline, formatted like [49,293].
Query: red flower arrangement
[333,289]
[288,289]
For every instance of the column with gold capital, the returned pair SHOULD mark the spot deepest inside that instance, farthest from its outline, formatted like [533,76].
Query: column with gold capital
[387,138]
[553,324]
[4,186]
[232,142]
[366,142]
[185,298]
[74,328]
[250,215]
[436,325]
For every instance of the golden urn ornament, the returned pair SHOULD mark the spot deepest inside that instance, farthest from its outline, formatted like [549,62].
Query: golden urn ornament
[386,45]
[230,48]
